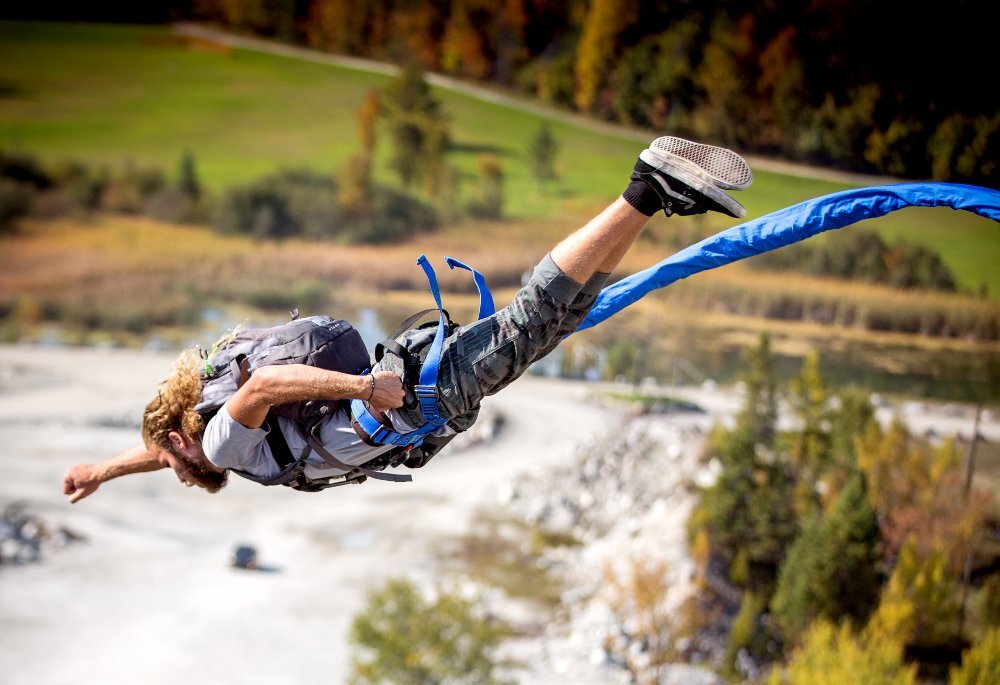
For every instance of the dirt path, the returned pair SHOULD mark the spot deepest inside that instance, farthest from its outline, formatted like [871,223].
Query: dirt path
[506,98]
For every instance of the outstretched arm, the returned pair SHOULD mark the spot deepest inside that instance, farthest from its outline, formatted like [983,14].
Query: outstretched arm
[281,383]
[82,480]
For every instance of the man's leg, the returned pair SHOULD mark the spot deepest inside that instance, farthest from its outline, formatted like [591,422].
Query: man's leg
[672,175]
[601,243]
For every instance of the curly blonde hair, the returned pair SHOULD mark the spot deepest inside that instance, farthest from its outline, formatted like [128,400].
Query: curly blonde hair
[173,407]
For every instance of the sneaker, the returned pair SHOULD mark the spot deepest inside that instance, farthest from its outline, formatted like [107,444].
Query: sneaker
[690,177]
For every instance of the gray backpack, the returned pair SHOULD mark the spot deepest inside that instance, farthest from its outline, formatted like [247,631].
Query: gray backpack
[319,341]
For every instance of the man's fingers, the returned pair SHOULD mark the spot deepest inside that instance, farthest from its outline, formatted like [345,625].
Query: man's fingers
[81,492]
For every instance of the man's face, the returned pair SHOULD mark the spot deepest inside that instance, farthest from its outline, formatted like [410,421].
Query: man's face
[191,466]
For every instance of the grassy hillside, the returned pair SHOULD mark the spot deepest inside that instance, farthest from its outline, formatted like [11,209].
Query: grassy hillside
[116,93]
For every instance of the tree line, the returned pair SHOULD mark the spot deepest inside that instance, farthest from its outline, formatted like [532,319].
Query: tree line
[857,84]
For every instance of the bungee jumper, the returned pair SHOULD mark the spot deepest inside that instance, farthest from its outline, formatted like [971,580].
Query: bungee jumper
[301,404]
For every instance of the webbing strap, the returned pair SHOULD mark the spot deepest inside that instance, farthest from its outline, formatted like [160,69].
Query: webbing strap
[486,306]
[315,444]
[426,387]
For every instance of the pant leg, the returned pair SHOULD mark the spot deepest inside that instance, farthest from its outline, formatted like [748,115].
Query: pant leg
[482,358]
[577,312]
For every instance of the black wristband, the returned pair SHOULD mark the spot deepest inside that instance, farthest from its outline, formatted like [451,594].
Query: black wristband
[372,393]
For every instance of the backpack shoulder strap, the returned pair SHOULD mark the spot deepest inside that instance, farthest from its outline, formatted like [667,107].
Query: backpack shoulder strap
[276,441]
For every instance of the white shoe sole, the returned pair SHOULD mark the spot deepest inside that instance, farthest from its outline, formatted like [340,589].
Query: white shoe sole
[705,168]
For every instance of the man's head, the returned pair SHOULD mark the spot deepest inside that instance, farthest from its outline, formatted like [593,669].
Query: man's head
[170,424]
[188,461]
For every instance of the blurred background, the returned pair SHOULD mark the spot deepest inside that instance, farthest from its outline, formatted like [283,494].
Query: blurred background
[789,466]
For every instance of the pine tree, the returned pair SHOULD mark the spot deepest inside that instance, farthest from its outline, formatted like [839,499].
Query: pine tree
[749,510]
[810,446]
[188,182]
[542,151]
[833,569]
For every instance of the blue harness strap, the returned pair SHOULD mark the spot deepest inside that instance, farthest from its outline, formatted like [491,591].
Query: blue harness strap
[426,387]
[486,307]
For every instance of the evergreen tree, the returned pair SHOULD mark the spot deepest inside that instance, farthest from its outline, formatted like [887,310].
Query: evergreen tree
[749,510]
[810,443]
[542,151]
[188,182]
[833,567]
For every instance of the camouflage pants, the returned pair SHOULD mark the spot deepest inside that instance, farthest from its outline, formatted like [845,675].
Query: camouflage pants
[482,358]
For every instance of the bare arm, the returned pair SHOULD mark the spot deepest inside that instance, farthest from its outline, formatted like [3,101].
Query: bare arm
[82,480]
[278,384]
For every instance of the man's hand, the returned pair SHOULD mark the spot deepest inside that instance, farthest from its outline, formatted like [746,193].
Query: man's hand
[80,481]
[388,392]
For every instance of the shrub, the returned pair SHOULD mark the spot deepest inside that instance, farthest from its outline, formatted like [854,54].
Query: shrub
[170,204]
[404,638]
[15,200]
[487,202]
[23,169]
[128,192]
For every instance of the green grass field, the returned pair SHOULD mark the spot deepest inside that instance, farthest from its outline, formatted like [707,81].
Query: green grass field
[115,93]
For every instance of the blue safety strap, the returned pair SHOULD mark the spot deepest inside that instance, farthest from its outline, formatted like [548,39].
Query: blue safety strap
[426,388]
[486,307]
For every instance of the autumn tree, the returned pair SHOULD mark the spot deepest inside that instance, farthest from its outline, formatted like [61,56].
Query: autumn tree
[920,603]
[463,46]
[726,112]
[981,664]
[418,127]
[782,89]
[835,656]
[653,79]
[597,48]
[919,493]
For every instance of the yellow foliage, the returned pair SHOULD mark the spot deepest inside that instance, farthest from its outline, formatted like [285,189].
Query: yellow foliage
[981,664]
[596,50]
[919,603]
[834,656]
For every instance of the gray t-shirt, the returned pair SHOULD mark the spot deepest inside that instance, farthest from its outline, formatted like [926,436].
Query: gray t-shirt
[230,445]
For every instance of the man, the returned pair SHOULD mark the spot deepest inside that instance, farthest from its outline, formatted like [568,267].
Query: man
[477,360]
